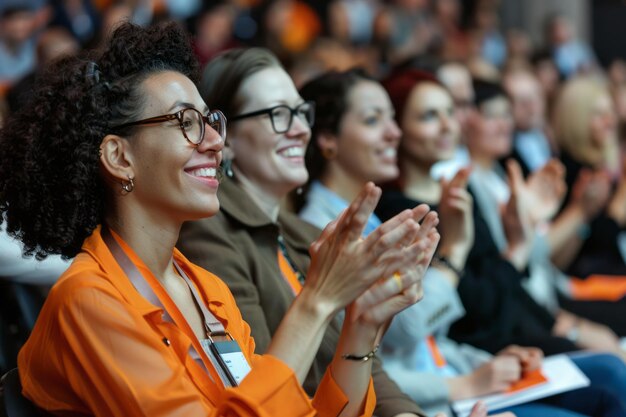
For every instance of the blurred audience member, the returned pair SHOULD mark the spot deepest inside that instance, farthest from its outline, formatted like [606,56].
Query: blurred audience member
[139,12]
[352,21]
[182,9]
[457,79]
[405,29]
[79,17]
[213,30]
[451,41]
[20,21]
[485,29]
[324,55]
[531,144]
[585,127]
[548,76]
[532,149]
[53,43]
[509,251]
[416,351]
[519,49]
[570,54]
[289,27]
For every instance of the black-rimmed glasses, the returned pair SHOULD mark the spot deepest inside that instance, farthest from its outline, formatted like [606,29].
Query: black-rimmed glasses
[281,116]
[191,122]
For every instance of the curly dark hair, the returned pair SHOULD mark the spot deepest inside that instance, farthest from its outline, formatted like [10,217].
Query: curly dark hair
[52,195]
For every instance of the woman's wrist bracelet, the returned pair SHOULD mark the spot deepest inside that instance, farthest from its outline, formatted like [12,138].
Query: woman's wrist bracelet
[363,358]
[439,260]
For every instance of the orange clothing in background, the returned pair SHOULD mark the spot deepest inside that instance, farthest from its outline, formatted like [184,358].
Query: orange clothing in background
[99,348]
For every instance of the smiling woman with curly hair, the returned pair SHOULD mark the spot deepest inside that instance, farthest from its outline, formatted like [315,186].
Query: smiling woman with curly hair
[56,142]
[113,153]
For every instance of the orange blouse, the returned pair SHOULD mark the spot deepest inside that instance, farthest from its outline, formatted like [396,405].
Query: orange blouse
[99,348]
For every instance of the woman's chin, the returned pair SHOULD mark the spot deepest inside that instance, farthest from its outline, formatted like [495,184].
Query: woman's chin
[208,210]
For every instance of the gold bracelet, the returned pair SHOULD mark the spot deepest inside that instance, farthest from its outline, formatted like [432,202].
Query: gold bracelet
[364,358]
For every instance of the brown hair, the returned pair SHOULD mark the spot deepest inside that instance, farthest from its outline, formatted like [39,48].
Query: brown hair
[223,76]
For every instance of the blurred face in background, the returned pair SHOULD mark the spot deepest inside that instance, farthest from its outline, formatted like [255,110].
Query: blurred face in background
[430,131]
[489,130]
[17,26]
[560,30]
[54,43]
[526,100]
[585,122]
[548,76]
[368,136]
[459,82]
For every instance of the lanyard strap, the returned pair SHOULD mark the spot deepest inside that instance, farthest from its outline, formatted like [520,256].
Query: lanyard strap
[214,328]
[283,249]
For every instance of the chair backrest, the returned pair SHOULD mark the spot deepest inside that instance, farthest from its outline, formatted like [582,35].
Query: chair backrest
[19,307]
[14,403]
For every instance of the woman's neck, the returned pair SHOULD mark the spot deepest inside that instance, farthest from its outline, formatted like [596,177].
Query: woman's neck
[341,183]
[483,162]
[418,184]
[267,201]
[151,237]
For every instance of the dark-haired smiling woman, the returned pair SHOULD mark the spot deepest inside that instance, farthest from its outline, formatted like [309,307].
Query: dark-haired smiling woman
[112,155]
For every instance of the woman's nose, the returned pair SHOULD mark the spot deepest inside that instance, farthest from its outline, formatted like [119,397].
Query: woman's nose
[393,130]
[299,126]
[212,140]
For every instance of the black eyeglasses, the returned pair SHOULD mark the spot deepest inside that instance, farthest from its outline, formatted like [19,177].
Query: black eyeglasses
[191,122]
[282,115]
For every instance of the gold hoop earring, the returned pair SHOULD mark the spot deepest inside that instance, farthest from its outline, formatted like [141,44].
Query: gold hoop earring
[128,187]
[329,153]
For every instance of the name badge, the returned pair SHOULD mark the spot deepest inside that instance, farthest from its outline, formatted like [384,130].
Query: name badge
[229,358]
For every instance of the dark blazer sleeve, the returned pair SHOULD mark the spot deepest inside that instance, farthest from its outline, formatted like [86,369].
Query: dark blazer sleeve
[600,252]
[496,304]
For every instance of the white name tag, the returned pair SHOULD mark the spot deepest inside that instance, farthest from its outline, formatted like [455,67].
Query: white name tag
[237,365]
[230,359]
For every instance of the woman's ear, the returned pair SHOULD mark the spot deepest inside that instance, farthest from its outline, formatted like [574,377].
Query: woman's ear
[327,143]
[116,158]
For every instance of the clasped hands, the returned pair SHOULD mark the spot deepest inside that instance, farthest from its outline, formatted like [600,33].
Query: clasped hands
[376,276]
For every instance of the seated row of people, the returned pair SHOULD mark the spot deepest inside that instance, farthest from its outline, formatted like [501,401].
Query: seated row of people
[134,327]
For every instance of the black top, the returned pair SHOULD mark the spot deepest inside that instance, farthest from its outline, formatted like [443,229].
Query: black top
[599,253]
[499,311]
